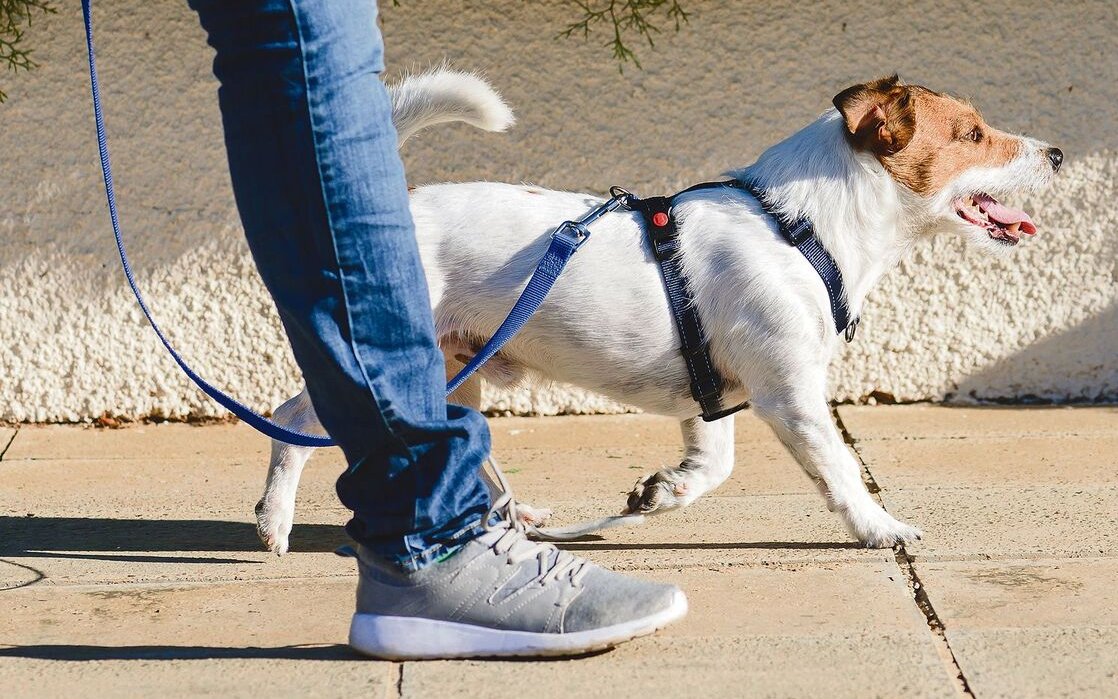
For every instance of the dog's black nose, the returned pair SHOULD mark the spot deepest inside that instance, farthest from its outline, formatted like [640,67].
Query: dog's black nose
[1056,157]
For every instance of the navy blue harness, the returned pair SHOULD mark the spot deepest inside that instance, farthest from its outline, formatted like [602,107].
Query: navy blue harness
[706,381]
[662,233]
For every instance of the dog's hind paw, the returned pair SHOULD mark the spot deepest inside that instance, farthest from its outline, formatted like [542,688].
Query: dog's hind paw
[532,516]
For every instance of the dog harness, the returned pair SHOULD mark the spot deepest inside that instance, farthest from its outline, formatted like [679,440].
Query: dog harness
[662,233]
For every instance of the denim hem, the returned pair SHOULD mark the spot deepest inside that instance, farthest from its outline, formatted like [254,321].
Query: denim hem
[421,559]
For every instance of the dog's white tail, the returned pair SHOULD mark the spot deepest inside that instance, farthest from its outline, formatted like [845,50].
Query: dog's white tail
[445,95]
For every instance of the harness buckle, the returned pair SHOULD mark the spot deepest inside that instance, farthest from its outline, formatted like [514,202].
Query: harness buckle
[664,246]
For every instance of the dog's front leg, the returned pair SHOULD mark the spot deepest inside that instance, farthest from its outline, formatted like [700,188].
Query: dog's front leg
[276,510]
[708,459]
[802,421]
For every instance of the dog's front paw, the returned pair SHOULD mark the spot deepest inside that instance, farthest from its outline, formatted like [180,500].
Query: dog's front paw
[273,526]
[657,492]
[881,530]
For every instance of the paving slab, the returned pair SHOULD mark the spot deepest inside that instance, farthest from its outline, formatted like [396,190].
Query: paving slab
[995,461]
[831,665]
[541,477]
[181,641]
[982,595]
[165,545]
[1030,628]
[608,431]
[141,672]
[237,440]
[837,613]
[141,565]
[997,493]
[139,441]
[151,486]
[63,568]
[1055,521]
[1045,663]
[857,597]
[928,421]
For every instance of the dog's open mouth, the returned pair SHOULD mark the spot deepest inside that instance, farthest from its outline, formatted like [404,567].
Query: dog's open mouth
[1004,224]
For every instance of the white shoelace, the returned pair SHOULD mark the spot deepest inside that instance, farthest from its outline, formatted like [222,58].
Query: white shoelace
[515,544]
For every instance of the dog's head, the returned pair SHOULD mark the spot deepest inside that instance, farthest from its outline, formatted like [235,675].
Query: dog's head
[939,148]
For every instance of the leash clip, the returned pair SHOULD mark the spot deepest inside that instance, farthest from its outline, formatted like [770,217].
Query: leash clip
[574,232]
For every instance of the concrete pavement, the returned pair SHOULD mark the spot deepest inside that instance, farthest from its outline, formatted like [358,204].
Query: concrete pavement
[129,564]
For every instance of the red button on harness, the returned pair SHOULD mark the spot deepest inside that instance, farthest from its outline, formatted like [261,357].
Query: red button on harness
[659,219]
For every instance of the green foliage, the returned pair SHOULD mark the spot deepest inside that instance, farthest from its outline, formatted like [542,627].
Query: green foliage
[623,18]
[15,16]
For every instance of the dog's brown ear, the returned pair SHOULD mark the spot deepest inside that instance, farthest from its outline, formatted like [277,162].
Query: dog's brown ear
[880,116]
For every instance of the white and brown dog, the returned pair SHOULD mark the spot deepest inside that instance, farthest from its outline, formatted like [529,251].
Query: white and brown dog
[889,165]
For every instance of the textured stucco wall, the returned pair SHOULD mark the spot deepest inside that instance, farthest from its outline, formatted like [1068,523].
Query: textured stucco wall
[947,323]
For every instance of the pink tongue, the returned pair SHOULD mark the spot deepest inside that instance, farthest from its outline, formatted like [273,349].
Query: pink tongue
[1003,214]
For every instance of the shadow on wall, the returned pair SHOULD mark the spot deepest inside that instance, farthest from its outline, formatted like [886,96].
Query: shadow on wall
[1062,356]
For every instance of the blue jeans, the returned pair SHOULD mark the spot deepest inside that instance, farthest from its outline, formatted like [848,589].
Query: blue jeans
[322,196]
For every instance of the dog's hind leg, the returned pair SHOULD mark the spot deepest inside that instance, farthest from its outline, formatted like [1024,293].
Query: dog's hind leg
[801,418]
[469,395]
[276,510]
[708,459]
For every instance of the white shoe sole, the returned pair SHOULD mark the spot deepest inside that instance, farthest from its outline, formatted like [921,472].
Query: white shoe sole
[415,638]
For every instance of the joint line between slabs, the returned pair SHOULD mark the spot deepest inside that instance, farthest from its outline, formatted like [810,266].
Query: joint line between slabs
[9,444]
[397,688]
[906,564]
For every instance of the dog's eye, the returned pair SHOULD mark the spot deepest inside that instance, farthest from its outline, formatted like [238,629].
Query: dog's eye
[974,135]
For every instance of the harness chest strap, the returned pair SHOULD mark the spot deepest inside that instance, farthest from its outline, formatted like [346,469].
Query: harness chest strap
[663,237]
[800,234]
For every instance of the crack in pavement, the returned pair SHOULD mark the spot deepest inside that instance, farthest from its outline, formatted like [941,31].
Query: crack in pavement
[906,563]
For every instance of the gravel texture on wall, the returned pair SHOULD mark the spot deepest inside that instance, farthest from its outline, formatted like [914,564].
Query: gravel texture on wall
[948,324]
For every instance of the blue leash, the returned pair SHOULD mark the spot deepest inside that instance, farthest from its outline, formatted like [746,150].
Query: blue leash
[565,241]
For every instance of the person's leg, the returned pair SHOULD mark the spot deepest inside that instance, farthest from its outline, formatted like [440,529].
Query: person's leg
[324,203]
[321,192]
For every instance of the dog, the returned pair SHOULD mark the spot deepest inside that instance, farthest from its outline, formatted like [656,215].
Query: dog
[889,165]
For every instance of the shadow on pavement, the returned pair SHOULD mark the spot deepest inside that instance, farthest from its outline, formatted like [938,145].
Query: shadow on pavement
[81,652]
[53,536]
[28,536]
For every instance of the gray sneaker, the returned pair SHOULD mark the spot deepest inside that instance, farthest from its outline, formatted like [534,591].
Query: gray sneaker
[503,595]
